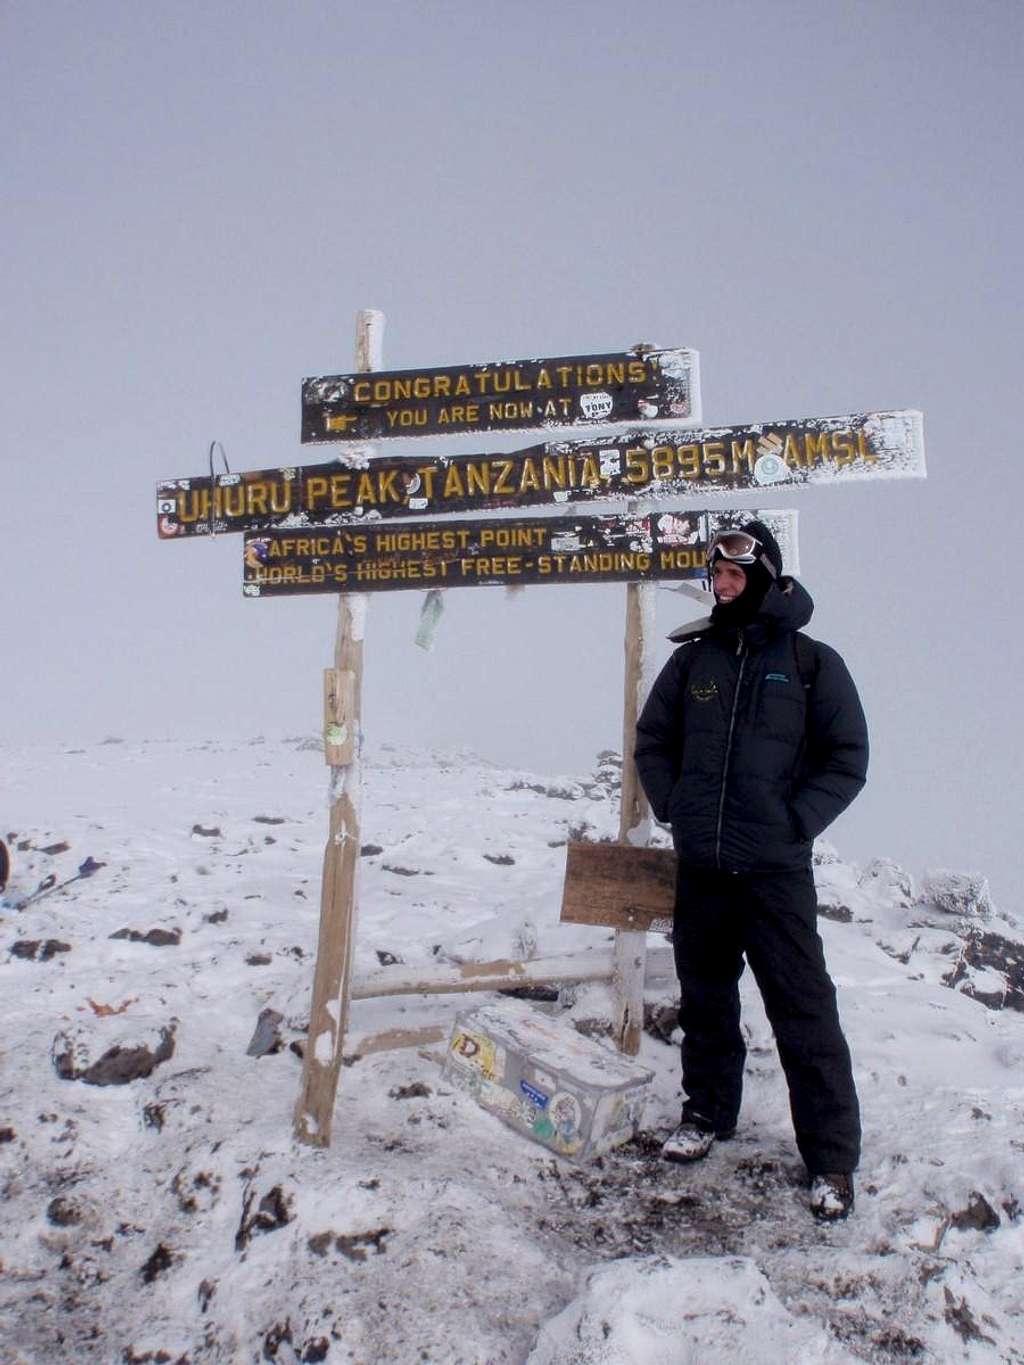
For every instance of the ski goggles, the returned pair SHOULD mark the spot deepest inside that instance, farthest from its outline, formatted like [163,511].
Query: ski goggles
[739,547]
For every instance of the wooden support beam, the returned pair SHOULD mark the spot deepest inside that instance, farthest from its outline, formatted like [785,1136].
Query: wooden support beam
[634,817]
[339,717]
[328,1016]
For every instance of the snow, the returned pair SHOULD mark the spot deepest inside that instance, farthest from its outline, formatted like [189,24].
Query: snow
[173,1217]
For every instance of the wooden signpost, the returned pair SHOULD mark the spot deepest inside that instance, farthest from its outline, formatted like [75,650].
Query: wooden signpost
[338,527]
[642,464]
[644,384]
[629,548]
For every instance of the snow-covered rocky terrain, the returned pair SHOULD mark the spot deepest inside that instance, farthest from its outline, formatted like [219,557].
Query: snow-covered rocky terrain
[156,1209]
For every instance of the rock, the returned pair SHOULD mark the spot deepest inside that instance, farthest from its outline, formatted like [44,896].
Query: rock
[212,833]
[157,1264]
[500,859]
[370,850]
[979,1215]
[416,1091]
[842,914]
[272,1212]
[958,893]
[33,949]
[119,1065]
[7,1134]
[889,879]
[63,1213]
[267,1038]
[157,938]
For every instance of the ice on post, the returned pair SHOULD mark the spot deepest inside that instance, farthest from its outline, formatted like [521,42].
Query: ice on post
[546,1080]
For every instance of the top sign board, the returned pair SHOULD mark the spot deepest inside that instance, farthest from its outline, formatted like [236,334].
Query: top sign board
[515,395]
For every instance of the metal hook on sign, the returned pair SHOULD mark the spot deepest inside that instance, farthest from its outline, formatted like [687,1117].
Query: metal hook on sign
[216,445]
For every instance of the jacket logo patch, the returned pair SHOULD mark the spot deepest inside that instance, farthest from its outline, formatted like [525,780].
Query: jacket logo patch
[704,691]
[776,677]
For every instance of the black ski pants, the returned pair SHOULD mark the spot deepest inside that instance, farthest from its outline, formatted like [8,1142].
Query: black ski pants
[770,918]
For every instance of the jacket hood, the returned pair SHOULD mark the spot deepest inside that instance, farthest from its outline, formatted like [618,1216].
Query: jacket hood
[787,606]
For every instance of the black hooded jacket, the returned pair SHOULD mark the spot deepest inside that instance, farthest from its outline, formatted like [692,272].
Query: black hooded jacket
[747,764]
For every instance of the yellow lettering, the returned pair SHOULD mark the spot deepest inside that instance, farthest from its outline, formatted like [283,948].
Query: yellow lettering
[478,477]
[842,444]
[743,453]
[714,458]
[453,485]
[543,378]
[792,452]
[638,468]
[662,462]
[637,371]
[528,476]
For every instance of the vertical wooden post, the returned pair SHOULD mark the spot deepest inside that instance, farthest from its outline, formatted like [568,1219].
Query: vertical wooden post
[634,817]
[328,1015]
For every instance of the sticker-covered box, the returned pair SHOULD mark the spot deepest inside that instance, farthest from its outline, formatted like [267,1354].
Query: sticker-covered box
[545,1079]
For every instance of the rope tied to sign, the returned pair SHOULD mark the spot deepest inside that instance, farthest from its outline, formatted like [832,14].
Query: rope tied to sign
[216,445]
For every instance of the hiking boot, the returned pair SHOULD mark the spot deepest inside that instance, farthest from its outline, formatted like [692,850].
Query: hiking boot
[690,1142]
[831,1196]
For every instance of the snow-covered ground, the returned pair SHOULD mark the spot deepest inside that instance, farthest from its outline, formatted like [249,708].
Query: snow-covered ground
[173,1219]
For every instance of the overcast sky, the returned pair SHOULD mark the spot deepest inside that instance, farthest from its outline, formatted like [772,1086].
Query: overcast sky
[823,198]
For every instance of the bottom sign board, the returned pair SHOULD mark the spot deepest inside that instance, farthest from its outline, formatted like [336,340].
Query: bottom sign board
[461,554]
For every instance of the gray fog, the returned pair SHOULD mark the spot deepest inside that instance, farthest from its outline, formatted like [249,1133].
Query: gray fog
[820,197]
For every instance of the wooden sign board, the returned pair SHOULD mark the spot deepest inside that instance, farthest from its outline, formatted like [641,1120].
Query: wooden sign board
[620,886]
[461,554]
[514,395]
[639,465]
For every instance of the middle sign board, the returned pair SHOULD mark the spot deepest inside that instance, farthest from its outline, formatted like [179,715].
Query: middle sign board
[640,464]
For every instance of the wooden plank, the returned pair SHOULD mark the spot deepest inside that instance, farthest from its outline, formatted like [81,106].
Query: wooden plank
[393,1039]
[500,396]
[619,886]
[641,464]
[339,717]
[381,558]
[467,977]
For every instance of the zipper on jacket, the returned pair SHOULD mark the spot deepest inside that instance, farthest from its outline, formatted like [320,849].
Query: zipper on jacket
[741,651]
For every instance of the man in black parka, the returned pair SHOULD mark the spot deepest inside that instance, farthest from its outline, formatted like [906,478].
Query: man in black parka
[752,741]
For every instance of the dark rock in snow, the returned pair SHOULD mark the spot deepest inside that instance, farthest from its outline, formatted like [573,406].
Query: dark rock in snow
[215,917]
[500,859]
[353,1248]
[268,819]
[117,1066]
[34,949]
[258,960]
[63,1213]
[157,1264]
[157,938]
[7,1135]
[370,850]
[267,1038]
[53,849]
[212,833]
[272,1212]
[842,914]
[978,1215]
[416,1091]
[387,959]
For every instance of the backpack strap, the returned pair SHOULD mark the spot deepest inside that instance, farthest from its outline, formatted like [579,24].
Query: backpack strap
[807,659]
